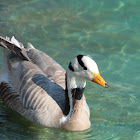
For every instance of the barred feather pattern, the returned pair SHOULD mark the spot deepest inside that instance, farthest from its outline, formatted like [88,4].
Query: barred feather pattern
[37,112]
[33,89]
[49,66]
[36,91]
[9,96]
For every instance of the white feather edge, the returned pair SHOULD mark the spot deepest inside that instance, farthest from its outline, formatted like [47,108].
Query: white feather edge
[15,42]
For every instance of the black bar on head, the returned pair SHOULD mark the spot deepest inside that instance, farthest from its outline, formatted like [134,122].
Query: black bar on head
[79,58]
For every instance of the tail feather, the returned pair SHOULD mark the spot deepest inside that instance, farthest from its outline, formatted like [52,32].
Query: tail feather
[15,47]
[15,42]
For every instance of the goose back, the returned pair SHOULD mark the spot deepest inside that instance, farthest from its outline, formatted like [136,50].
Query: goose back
[36,94]
[49,66]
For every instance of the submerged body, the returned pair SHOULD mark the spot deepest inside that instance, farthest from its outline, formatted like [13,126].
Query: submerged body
[38,88]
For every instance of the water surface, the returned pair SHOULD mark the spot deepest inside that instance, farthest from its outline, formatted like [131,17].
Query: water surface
[106,30]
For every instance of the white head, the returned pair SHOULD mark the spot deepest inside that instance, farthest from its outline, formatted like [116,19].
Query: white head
[83,68]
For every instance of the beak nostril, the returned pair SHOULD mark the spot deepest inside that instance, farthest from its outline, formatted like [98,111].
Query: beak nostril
[106,85]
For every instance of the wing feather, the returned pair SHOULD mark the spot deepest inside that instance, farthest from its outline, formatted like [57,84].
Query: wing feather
[49,66]
[31,92]
[33,85]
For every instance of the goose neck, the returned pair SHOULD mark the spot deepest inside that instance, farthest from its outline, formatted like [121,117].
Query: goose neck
[75,89]
[77,118]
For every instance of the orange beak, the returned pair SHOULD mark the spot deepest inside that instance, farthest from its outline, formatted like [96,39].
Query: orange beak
[99,80]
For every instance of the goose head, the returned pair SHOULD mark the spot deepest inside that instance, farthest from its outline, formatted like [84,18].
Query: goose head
[81,69]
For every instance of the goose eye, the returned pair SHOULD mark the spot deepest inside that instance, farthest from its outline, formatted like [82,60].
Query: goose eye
[71,67]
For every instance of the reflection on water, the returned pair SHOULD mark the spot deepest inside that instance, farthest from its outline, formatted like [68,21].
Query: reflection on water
[106,30]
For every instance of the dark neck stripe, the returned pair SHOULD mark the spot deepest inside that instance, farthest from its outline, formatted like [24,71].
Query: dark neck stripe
[67,105]
[77,93]
[79,58]
[70,67]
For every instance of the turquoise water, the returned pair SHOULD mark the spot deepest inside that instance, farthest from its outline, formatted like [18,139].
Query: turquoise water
[108,31]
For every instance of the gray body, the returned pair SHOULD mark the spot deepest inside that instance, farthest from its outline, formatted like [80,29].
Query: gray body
[36,89]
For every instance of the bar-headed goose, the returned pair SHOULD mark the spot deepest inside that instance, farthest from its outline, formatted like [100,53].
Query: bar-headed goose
[38,88]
